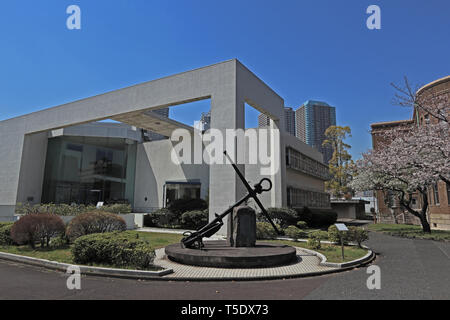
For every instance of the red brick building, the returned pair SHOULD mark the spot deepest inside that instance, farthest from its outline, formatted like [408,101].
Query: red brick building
[389,209]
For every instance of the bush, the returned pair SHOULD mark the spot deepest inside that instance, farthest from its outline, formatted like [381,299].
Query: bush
[60,242]
[333,235]
[302,225]
[118,208]
[294,233]
[323,219]
[69,210]
[314,240]
[37,227]
[119,249]
[264,230]
[180,206]
[319,234]
[5,234]
[285,217]
[162,218]
[316,218]
[94,222]
[194,219]
[358,235]
[304,215]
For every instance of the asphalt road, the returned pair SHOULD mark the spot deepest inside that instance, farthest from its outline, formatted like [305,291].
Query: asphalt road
[410,269]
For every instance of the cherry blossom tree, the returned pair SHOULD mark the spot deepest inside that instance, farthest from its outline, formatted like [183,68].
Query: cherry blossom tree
[408,162]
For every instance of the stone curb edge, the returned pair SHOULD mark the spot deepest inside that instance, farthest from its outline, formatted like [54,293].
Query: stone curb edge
[158,275]
[351,264]
[367,258]
[86,270]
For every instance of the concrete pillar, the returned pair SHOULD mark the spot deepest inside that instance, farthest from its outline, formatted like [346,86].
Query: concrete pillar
[225,187]
[11,146]
[32,168]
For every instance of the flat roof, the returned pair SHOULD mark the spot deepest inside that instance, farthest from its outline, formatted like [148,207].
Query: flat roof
[391,123]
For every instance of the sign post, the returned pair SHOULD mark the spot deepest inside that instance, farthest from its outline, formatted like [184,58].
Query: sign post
[341,228]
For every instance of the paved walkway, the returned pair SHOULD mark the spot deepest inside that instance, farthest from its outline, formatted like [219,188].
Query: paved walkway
[410,269]
[306,264]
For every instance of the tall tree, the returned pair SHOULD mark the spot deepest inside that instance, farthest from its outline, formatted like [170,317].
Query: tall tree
[341,162]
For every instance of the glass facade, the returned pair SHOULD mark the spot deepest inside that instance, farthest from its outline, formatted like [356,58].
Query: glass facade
[86,170]
[181,190]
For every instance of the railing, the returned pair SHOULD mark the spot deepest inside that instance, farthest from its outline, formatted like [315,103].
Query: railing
[298,161]
[299,198]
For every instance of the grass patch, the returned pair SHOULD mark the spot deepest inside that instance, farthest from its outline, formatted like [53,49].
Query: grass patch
[410,231]
[60,255]
[64,255]
[332,252]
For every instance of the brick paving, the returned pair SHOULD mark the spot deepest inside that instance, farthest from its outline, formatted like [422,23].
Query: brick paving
[306,264]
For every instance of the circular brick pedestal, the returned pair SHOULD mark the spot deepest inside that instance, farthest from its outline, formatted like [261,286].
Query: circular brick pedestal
[219,255]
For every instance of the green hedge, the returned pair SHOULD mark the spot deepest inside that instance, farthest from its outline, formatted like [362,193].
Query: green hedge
[163,218]
[295,233]
[316,218]
[181,206]
[354,234]
[119,249]
[194,219]
[70,210]
[285,217]
[5,234]
[264,230]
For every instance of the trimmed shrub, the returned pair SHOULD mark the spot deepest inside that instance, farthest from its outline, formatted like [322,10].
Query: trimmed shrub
[302,225]
[162,218]
[304,214]
[314,241]
[194,219]
[59,242]
[264,230]
[33,228]
[333,235]
[180,206]
[323,219]
[5,234]
[119,249]
[294,233]
[319,234]
[94,222]
[316,218]
[358,235]
[117,208]
[285,217]
[69,210]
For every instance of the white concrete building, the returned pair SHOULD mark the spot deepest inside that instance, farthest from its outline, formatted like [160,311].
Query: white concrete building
[64,154]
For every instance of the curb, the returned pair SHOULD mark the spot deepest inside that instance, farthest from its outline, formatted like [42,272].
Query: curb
[159,275]
[337,268]
[345,265]
[86,270]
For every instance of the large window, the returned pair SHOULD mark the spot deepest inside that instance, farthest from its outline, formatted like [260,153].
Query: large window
[436,194]
[87,170]
[181,190]
[448,194]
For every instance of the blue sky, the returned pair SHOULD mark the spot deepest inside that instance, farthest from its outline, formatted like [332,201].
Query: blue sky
[304,50]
